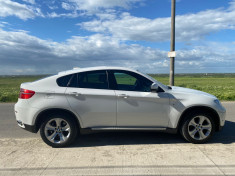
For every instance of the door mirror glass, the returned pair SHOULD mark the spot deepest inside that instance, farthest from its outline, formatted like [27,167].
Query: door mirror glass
[154,87]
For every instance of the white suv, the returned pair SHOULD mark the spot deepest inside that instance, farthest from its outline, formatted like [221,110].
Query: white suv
[114,98]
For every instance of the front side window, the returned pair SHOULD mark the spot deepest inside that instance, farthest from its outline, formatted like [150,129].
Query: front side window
[91,79]
[130,81]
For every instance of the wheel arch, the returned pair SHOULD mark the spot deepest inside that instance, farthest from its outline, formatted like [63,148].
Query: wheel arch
[41,117]
[206,109]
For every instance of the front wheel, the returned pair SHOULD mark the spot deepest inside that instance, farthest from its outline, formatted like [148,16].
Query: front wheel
[58,130]
[198,127]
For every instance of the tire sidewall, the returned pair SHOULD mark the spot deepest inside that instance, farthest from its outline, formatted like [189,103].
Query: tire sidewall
[71,123]
[188,118]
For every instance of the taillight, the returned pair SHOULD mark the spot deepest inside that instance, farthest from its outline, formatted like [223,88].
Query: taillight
[26,94]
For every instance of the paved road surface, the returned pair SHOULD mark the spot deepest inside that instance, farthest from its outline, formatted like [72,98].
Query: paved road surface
[9,127]
[132,153]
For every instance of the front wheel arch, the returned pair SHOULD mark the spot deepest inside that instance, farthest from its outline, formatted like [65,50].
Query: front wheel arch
[205,109]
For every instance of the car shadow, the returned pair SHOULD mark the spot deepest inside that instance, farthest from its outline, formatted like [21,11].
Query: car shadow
[226,136]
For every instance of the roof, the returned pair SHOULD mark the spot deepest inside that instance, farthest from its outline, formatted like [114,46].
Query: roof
[76,70]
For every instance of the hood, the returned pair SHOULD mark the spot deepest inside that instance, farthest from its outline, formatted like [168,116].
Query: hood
[176,89]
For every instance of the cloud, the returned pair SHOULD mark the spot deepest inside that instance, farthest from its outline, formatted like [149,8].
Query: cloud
[3,24]
[30,1]
[21,50]
[104,9]
[22,53]
[189,27]
[94,6]
[67,6]
[73,14]
[22,11]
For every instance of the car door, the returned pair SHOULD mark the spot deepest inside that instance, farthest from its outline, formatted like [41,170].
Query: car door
[137,106]
[89,96]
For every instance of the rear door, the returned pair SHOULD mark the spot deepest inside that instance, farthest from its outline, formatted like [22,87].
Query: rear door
[90,97]
[137,106]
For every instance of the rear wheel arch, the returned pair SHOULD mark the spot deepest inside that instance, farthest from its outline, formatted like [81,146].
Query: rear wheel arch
[204,109]
[42,116]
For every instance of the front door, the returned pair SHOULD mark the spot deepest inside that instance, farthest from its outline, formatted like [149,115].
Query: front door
[137,106]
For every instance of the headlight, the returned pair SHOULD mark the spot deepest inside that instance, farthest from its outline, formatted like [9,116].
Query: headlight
[217,102]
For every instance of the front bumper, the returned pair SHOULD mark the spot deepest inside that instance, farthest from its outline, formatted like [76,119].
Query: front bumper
[222,116]
[220,128]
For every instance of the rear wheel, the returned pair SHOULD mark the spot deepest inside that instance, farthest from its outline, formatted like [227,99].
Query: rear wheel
[58,130]
[198,127]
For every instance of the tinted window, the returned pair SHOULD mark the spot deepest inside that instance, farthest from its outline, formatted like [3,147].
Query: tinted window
[74,81]
[64,80]
[125,79]
[130,81]
[92,80]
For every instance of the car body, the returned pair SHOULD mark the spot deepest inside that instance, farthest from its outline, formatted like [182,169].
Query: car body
[115,98]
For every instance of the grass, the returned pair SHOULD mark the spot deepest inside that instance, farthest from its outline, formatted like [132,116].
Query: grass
[10,86]
[220,85]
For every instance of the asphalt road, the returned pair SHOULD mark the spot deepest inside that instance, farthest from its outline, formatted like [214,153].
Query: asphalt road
[10,129]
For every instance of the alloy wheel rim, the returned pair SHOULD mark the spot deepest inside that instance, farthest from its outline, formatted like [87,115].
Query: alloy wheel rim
[57,130]
[199,128]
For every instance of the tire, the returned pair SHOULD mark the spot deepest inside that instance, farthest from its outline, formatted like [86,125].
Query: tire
[198,127]
[58,130]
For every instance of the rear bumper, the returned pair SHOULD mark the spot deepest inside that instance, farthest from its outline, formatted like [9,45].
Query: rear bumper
[30,128]
[24,115]
[24,112]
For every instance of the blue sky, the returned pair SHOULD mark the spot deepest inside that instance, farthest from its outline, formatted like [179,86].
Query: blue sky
[44,37]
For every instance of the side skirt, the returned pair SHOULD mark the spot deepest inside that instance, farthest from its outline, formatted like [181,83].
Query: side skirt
[112,129]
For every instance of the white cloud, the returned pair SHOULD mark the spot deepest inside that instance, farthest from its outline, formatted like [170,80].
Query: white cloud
[104,9]
[3,24]
[188,27]
[30,1]
[96,5]
[73,14]
[67,6]
[22,11]
[20,51]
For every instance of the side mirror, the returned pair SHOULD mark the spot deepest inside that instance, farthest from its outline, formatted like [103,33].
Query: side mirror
[154,87]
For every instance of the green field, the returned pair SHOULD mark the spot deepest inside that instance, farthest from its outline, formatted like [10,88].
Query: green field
[10,86]
[220,85]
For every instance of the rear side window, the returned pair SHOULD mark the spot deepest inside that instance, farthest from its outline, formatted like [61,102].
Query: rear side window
[91,80]
[64,80]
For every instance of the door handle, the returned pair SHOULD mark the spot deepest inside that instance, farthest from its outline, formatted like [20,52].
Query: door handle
[75,93]
[123,96]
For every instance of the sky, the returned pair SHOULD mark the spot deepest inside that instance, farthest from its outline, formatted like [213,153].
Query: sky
[45,37]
